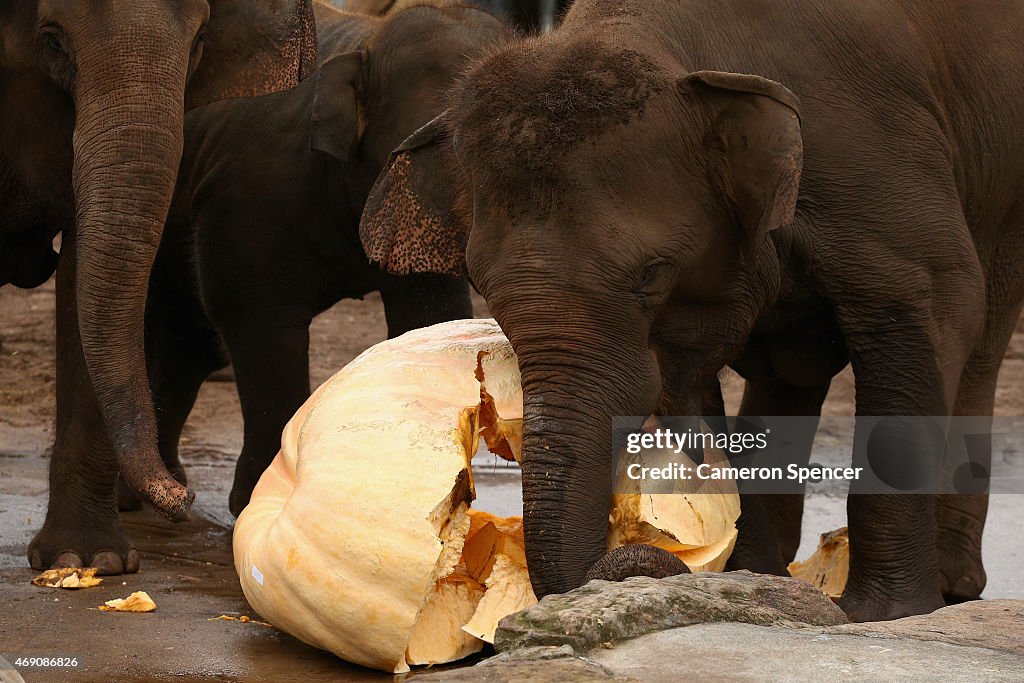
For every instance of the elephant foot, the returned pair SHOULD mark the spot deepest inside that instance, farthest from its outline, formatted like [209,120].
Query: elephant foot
[757,561]
[861,608]
[757,546]
[636,560]
[247,475]
[960,523]
[84,542]
[130,501]
[241,492]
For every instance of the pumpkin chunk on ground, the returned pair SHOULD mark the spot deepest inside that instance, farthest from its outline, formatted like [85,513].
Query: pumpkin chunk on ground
[829,566]
[68,577]
[138,601]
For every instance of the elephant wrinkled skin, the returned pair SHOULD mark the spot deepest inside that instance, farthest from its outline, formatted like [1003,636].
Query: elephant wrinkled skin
[658,189]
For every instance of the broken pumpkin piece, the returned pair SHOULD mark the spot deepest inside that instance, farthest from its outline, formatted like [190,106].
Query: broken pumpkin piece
[139,601]
[359,538]
[242,619]
[483,548]
[829,567]
[510,526]
[437,637]
[694,519]
[508,591]
[68,577]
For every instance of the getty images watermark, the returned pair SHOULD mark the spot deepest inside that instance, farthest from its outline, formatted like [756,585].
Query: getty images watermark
[766,455]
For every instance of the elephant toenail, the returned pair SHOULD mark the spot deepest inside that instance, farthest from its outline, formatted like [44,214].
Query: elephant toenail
[132,562]
[35,561]
[67,559]
[107,563]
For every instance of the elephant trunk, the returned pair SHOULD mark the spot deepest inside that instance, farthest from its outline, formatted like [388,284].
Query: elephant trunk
[572,388]
[127,147]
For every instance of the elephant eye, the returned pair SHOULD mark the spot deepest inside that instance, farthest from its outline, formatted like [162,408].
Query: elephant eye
[200,38]
[655,280]
[51,39]
[197,51]
[54,55]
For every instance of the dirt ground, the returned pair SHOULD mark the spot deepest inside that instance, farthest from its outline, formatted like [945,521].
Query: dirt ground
[187,568]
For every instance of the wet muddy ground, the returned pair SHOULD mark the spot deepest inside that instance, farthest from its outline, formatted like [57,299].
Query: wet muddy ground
[187,568]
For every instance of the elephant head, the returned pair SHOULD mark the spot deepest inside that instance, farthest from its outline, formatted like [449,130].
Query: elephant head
[366,101]
[614,210]
[112,80]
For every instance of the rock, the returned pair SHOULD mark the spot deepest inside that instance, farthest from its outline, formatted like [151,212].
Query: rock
[993,624]
[539,653]
[603,612]
[685,627]
[528,667]
[744,652]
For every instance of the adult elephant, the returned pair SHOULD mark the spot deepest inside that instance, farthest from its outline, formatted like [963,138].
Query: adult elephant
[630,201]
[527,15]
[94,95]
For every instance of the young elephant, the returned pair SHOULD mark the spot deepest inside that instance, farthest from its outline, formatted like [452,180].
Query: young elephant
[629,200]
[263,232]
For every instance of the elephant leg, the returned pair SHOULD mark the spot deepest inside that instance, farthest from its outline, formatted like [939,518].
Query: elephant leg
[778,397]
[756,547]
[271,364]
[82,527]
[893,559]
[420,300]
[960,518]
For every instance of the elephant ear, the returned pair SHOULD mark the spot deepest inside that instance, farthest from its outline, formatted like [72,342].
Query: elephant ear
[335,125]
[254,47]
[411,222]
[757,149]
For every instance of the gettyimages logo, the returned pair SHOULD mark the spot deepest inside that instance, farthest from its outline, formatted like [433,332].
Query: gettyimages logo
[8,673]
[895,455]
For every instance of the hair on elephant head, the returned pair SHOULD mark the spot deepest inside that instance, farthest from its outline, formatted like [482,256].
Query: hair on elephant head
[588,189]
[91,146]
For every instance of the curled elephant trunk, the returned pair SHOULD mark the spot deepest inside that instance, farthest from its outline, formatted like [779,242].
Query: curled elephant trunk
[568,405]
[636,560]
[124,176]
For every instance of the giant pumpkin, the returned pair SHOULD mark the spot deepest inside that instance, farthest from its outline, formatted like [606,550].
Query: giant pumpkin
[359,538]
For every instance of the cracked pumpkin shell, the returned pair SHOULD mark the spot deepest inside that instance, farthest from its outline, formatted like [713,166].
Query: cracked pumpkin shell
[353,540]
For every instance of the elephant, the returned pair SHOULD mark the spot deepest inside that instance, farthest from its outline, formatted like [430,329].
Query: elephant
[269,231]
[526,15]
[94,96]
[658,190]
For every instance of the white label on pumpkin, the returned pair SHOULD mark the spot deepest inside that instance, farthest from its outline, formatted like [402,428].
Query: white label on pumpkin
[257,574]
